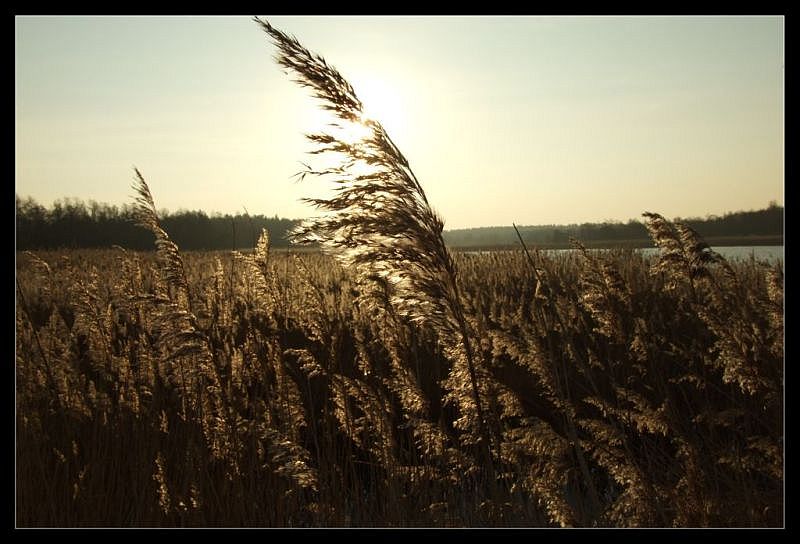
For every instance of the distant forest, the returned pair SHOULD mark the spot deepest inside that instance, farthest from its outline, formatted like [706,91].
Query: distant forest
[71,223]
[761,227]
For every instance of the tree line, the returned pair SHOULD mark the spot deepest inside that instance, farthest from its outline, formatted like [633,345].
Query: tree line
[72,223]
[763,223]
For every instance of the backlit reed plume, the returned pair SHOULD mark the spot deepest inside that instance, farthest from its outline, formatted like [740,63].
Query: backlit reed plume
[183,344]
[167,251]
[684,254]
[379,222]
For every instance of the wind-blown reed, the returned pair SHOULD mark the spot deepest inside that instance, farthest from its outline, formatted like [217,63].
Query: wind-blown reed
[381,223]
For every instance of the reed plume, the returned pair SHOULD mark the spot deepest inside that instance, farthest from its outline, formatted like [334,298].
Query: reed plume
[684,254]
[380,222]
[167,251]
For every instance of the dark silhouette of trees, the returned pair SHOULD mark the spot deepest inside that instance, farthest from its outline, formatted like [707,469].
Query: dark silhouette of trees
[72,223]
[764,222]
[744,224]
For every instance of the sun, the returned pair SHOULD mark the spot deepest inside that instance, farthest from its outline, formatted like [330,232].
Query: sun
[382,103]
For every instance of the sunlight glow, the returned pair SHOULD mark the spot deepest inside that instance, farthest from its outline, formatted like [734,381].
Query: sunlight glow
[382,103]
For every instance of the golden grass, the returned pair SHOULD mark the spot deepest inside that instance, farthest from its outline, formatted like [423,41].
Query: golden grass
[309,407]
[396,384]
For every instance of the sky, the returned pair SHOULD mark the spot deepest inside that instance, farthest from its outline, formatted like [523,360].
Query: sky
[531,120]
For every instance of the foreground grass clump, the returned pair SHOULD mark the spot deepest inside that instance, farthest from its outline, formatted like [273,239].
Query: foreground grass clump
[266,389]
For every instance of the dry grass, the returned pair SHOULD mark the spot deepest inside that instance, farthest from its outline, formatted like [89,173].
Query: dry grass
[291,401]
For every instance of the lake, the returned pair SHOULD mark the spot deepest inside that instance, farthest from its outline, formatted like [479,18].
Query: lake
[765,253]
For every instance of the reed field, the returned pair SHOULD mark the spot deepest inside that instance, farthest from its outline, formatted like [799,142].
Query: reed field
[386,381]
[274,390]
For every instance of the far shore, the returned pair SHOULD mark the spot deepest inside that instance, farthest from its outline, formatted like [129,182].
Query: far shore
[633,244]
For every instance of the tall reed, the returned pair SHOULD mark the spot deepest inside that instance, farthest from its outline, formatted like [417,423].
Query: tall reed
[381,223]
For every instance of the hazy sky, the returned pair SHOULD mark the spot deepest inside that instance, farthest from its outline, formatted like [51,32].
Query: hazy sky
[534,120]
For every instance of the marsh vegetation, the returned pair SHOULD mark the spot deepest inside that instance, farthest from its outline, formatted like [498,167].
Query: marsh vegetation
[390,382]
